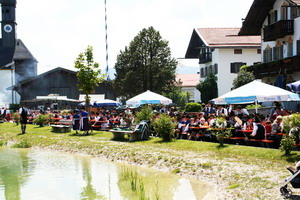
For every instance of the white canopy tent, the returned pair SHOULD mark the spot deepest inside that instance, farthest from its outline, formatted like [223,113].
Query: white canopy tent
[255,92]
[149,97]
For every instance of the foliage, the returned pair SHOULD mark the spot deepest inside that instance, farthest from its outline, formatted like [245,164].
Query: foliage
[14,107]
[222,131]
[243,77]
[253,106]
[22,144]
[178,97]
[144,114]
[89,74]
[2,143]
[287,144]
[208,88]
[145,65]
[164,127]
[41,120]
[16,118]
[291,122]
[193,107]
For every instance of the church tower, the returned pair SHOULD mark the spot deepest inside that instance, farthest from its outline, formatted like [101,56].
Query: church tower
[8,31]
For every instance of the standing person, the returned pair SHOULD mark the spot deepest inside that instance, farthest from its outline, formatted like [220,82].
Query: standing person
[76,120]
[84,121]
[221,111]
[23,111]
[208,110]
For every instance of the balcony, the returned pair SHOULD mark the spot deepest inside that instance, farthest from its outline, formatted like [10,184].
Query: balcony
[284,66]
[278,30]
[205,58]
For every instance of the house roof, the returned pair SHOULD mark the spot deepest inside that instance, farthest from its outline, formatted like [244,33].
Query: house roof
[219,38]
[188,80]
[256,17]
[22,52]
[41,76]
[297,2]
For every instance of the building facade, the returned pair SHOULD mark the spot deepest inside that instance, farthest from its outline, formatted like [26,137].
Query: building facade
[222,51]
[278,24]
[188,83]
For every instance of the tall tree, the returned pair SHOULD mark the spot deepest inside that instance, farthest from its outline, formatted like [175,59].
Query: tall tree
[89,74]
[243,77]
[146,64]
[208,88]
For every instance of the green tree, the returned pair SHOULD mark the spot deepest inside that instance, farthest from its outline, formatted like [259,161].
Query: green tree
[89,74]
[208,88]
[146,64]
[243,77]
[178,97]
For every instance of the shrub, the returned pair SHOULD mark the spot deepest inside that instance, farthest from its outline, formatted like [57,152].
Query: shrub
[193,107]
[144,114]
[222,131]
[41,120]
[16,118]
[164,127]
[2,143]
[22,144]
[287,144]
[253,106]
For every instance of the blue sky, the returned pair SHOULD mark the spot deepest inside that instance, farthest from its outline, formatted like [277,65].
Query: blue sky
[56,31]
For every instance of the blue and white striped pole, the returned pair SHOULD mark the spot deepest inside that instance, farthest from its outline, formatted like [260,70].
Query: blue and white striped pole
[106,41]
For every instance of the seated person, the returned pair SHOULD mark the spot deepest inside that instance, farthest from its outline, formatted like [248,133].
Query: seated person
[259,130]
[277,126]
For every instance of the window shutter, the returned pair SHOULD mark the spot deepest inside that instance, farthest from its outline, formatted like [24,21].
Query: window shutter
[274,53]
[202,72]
[231,67]
[298,47]
[216,68]
[265,55]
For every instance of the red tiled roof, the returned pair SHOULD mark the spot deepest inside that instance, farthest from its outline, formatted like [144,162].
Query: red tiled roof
[296,2]
[225,37]
[188,80]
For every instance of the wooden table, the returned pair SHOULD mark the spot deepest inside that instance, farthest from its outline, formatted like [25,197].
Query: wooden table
[119,134]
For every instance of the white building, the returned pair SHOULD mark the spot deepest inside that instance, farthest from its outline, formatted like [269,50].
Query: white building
[222,52]
[188,83]
[278,24]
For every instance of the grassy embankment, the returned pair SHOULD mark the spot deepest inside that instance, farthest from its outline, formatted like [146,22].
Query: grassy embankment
[234,167]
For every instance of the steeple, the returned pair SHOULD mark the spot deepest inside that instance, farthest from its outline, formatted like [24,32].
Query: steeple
[8,30]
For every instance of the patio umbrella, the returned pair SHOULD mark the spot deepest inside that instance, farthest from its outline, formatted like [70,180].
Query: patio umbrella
[255,92]
[294,87]
[106,102]
[148,97]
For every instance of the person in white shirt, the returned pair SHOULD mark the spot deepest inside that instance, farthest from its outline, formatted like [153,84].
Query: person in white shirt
[221,111]
[23,112]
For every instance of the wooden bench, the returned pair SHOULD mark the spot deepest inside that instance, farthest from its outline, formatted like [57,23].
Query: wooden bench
[268,142]
[64,126]
[119,134]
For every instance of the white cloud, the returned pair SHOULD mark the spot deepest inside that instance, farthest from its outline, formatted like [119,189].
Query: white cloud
[56,31]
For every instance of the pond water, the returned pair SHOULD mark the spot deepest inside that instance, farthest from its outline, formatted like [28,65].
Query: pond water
[44,175]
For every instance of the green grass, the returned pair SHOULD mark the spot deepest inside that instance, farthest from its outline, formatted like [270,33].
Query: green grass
[100,141]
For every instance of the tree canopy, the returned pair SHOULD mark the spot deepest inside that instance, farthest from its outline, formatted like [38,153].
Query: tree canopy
[146,64]
[243,77]
[208,88]
[89,74]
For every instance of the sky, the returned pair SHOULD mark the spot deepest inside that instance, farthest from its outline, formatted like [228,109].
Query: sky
[56,31]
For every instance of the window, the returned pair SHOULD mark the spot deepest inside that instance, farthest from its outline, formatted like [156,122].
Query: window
[298,47]
[268,55]
[235,67]
[272,17]
[238,51]
[258,51]
[290,49]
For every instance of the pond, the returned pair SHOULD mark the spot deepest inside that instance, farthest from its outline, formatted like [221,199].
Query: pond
[35,174]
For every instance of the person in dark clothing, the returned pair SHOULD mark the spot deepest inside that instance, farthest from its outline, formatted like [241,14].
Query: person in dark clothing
[23,112]
[259,130]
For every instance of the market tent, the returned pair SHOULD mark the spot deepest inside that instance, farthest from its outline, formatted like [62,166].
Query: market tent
[294,87]
[256,91]
[105,103]
[149,97]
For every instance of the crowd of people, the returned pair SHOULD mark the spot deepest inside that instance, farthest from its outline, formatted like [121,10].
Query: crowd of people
[238,118]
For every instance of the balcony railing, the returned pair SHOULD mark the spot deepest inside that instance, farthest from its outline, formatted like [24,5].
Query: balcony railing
[278,30]
[205,58]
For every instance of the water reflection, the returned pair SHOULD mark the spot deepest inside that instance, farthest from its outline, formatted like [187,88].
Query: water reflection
[47,175]
[14,172]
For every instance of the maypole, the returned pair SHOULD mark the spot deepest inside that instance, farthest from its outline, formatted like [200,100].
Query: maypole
[106,41]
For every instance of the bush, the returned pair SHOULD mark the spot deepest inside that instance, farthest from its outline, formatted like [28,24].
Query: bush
[287,144]
[253,106]
[144,114]
[2,143]
[193,107]
[41,120]
[16,118]
[164,127]
[22,144]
